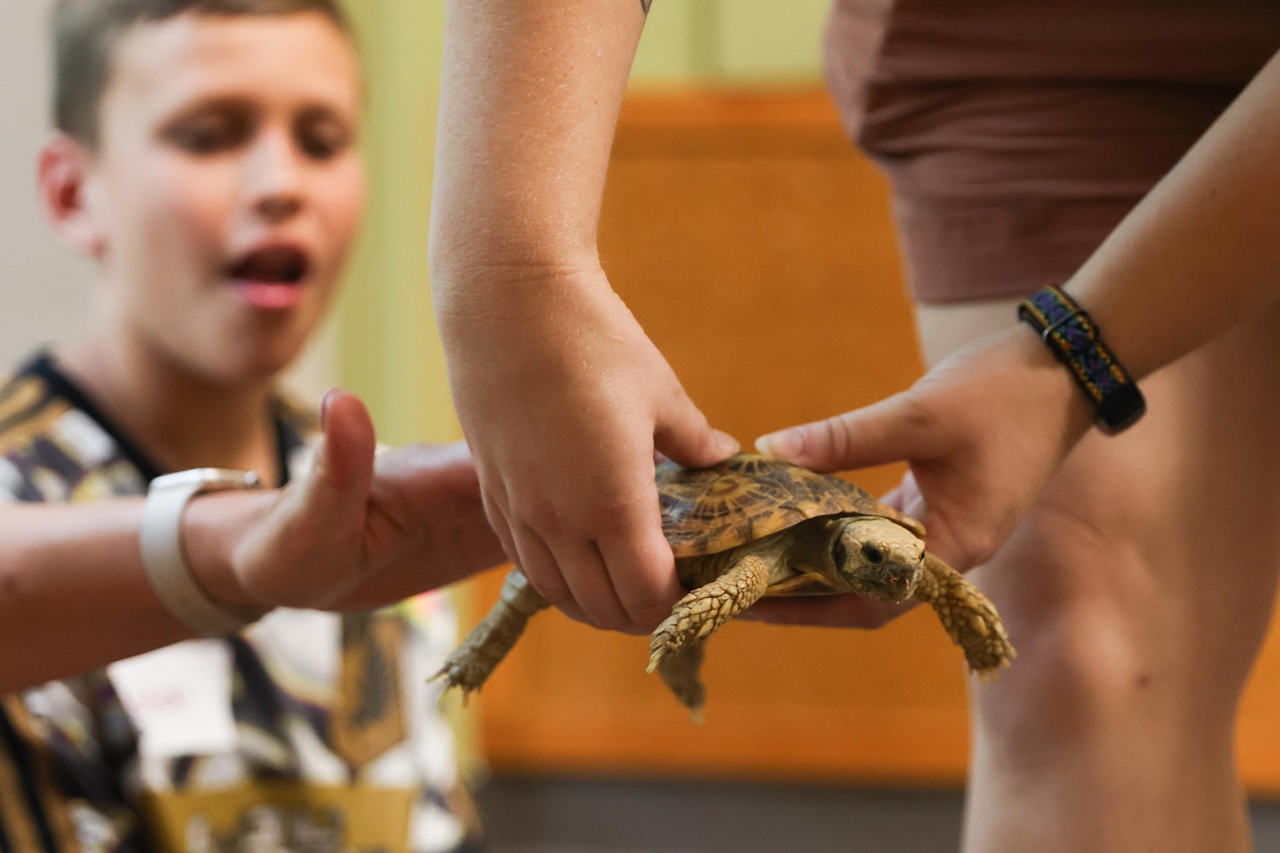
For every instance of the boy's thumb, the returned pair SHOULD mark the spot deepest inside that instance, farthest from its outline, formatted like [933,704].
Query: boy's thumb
[343,466]
[319,518]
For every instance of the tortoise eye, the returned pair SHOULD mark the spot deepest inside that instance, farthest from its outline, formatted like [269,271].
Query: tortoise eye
[873,552]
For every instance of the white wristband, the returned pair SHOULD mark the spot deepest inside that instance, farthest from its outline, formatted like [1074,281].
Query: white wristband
[160,536]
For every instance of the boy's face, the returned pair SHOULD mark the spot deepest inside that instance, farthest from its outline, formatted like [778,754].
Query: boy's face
[226,187]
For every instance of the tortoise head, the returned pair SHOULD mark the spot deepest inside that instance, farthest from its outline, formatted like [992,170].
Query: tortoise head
[876,557]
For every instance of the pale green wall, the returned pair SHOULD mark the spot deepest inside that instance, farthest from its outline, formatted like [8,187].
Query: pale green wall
[388,349]
[389,352]
[733,42]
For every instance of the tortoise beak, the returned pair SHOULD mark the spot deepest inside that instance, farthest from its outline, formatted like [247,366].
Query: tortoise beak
[893,586]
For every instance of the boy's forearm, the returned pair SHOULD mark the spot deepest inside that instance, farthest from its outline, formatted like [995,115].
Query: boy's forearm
[1202,251]
[73,594]
[529,101]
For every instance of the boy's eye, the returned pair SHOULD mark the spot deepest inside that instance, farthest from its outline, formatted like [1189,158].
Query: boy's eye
[321,140]
[208,135]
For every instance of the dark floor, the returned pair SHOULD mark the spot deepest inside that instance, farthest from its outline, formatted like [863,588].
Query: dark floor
[565,815]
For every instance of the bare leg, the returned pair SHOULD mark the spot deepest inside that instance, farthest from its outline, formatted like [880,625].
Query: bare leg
[488,643]
[1139,589]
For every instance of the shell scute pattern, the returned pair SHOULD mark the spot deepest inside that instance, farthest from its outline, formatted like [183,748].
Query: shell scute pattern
[708,510]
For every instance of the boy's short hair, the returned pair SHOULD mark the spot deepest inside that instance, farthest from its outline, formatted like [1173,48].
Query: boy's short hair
[85,33]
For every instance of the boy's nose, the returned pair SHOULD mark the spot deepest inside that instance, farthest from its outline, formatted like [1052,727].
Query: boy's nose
[275,178]
[278,207]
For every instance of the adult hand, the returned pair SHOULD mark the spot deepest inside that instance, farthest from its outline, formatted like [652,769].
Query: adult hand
[353,532]
[981,433]
[564,401]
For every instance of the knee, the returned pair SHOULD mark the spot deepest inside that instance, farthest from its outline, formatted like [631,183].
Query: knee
[1094,635]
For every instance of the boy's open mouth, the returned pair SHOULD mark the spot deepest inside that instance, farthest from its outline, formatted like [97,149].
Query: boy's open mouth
[269,277]
[275,265]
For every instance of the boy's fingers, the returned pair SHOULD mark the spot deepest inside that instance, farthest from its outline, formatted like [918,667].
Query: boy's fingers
[888,431]
[682,434]
[641,567]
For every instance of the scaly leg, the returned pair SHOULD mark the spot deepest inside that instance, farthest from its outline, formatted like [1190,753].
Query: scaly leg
[488,643]
[967,615]
[708,607]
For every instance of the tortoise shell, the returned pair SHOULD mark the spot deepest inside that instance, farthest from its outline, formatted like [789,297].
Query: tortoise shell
[748,497]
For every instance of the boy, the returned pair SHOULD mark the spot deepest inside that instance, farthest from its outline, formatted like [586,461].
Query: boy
[205,163]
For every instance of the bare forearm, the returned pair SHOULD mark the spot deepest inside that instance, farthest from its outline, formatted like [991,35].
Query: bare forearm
[73,593]
[345,533]
[1202,251]
[528,104]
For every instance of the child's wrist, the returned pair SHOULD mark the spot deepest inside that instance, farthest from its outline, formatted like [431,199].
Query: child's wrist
[213,526]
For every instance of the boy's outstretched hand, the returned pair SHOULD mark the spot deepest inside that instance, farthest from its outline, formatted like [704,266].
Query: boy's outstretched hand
[356,532]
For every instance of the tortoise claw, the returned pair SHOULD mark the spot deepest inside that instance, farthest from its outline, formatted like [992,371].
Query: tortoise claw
[458,675]
[655,658]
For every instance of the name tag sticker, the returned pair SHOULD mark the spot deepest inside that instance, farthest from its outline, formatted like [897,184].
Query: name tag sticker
[179,697]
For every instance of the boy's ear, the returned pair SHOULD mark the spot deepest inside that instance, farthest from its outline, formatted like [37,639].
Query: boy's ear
[64,179]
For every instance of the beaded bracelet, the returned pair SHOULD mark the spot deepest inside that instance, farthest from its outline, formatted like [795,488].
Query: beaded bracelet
[1069,331]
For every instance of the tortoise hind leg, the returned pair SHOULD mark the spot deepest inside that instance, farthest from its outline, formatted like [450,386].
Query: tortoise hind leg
[488,643]
[680,670]
[708,607]
[968,616]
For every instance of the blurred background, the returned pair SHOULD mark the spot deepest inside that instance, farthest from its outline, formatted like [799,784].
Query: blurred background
[754,245]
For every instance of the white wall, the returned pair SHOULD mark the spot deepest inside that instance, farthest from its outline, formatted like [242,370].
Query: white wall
[43,289]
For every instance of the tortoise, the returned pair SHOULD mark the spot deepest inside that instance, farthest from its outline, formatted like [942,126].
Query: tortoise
[755,526]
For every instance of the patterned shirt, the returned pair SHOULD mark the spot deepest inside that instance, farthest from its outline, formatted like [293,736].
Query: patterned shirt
[235,744]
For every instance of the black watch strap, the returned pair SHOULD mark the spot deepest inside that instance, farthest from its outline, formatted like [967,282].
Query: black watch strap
[1069,331]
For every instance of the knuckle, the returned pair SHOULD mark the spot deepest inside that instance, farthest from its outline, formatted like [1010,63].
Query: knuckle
[836,436]
[609,620]
[622,509]
[918,415]
[647,615]
[549,585]
[976,548]
[539,514]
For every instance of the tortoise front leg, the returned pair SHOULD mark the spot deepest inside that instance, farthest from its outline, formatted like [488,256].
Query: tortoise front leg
[968,616]
[708,607]
[488,643]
